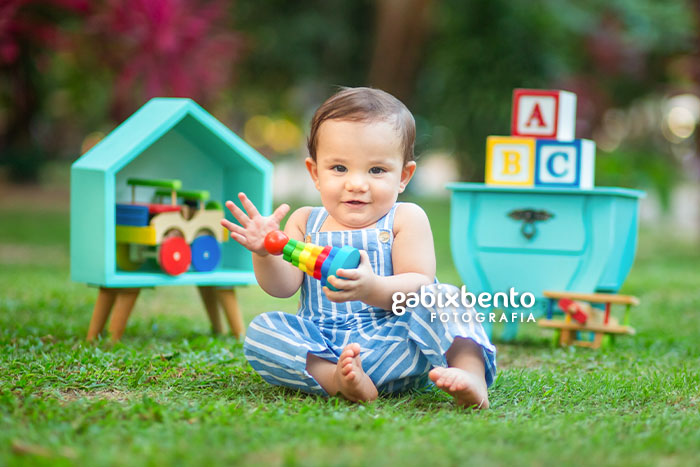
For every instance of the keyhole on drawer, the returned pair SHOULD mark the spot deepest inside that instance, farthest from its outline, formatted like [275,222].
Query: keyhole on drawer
[529,216]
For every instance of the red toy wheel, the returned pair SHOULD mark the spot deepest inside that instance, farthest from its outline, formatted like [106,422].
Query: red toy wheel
[174,255]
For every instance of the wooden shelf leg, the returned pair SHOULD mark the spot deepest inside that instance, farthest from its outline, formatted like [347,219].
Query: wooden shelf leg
[211,304]
[122,309]
[103,305]
[566,337]
[227,298]
[557,338]
[597,340]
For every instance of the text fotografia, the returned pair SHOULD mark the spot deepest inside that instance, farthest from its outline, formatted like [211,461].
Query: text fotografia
[460,297]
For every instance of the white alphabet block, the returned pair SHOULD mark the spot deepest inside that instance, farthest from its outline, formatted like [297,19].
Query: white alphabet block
[544,114]
[565,163]
[510,161]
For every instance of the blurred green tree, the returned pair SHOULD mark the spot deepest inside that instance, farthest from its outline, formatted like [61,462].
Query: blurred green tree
[296,53]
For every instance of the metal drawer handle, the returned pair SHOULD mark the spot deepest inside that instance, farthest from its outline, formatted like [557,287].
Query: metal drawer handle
[529,217]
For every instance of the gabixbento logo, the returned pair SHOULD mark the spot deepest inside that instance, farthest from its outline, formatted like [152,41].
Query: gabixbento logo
[458,304]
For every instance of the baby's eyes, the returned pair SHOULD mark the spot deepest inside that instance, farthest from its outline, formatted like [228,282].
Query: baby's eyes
[342,169]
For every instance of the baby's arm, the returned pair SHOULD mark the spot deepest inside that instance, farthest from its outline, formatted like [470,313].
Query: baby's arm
[275,276]
[413,259]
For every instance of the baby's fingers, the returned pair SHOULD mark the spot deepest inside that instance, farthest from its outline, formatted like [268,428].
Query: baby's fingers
[248,205]
[237,232]
[280,212]
[337,297]
[341,284]
[238,213]
[233,227]
[352,274]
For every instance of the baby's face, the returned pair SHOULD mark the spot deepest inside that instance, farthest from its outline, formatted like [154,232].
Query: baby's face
[359,171]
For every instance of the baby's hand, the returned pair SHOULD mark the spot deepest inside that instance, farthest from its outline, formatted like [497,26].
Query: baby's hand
[251,233]
[352,284]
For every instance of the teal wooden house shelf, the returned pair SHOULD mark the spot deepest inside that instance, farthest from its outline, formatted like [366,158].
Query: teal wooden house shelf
[168,138]
[536,239]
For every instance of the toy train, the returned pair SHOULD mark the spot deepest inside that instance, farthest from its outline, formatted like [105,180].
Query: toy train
[176,236]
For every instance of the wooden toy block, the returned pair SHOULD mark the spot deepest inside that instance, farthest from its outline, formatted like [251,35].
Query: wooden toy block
[303,256]
[544,114]
[327,265]
[297,251]
[138,235]
[319,262]
[510,161]
[573,309]
[132,214]
[603,328]
[346,258]
[155,208]
[313,258]
[287,251]
[565,163]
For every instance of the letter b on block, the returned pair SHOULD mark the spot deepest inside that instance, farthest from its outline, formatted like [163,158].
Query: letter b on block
[565,163]
[510,161]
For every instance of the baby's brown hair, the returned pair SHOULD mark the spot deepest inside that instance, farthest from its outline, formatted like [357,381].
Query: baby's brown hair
[365,105]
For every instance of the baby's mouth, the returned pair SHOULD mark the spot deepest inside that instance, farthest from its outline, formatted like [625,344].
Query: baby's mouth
[355,203]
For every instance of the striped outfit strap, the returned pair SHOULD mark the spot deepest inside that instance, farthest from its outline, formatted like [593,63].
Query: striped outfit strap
[316,218]
[387,222]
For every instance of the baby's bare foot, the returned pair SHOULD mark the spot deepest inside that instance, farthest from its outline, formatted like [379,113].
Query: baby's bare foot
[467,388]
[353,382]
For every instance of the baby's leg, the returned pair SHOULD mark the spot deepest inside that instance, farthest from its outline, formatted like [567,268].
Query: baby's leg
[464,379]
[346,377]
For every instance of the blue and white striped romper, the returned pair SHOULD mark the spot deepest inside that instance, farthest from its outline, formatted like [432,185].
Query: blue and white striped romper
[397,351]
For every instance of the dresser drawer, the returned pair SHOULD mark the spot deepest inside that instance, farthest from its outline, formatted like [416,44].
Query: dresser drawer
[529,222]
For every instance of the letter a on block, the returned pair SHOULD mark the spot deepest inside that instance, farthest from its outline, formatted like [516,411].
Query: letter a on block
[536,118]
[510,161]
[544,114]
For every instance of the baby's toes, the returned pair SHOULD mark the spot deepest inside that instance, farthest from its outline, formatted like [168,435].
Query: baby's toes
[449,380]
[458,385]
[436,373]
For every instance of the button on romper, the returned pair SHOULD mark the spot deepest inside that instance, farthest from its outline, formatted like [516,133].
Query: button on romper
[397,351]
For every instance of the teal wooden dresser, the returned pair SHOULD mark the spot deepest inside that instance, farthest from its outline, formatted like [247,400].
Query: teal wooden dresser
[536,239]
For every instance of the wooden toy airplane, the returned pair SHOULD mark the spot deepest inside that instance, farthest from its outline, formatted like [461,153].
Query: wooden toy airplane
[317,261]
[581,317]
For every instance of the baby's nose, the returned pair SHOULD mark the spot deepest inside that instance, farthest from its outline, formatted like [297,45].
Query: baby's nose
[356,183]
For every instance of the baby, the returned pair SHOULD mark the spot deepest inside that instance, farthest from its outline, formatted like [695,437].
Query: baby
[348,341]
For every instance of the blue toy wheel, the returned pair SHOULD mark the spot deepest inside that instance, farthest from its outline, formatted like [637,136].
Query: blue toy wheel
[206,253]
[346,258]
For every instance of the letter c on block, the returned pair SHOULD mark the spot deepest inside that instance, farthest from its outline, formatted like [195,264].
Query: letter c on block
[550,163]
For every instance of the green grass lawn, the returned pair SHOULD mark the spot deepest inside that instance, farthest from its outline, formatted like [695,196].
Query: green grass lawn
[171,393]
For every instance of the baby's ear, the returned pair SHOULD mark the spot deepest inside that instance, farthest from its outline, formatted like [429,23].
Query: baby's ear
[407,172]
[312,167]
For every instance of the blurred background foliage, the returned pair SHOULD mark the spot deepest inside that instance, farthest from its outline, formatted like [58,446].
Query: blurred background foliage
[71,70]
